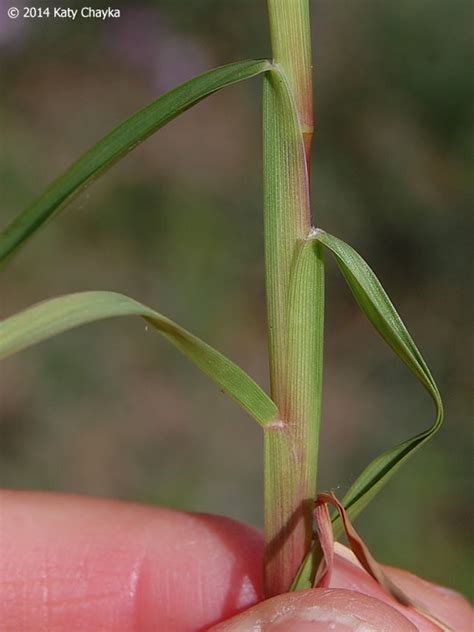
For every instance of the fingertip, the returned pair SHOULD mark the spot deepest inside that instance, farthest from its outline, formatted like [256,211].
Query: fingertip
[73,563]
[319,610]
[208,573]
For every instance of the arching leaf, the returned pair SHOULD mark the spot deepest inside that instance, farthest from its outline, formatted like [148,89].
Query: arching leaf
[118,143]
[54,316]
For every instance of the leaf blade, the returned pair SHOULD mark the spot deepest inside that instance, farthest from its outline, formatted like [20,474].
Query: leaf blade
[119,142]
[381,313]
[60,314]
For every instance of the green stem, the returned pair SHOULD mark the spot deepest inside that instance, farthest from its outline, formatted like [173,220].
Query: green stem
[294,281]
[291,47]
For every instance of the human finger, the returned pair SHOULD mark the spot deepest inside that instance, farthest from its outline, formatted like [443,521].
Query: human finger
[70,563]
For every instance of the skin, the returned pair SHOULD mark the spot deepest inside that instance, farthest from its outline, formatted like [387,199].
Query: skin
[319,610]
[78,564]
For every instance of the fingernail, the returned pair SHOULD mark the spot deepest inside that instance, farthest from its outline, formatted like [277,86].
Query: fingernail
[310,621]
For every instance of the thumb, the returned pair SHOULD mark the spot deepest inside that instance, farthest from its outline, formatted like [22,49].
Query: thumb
[318,610]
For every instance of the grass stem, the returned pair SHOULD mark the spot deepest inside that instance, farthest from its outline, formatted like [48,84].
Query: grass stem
[294,277]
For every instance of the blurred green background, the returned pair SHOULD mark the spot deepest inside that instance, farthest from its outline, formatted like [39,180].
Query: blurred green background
[110,409]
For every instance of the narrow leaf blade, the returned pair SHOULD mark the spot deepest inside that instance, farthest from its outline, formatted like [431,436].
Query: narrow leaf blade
[381,313]
[118,143]
[57,315]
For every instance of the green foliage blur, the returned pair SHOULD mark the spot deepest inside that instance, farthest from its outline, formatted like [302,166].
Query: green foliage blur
[112,410]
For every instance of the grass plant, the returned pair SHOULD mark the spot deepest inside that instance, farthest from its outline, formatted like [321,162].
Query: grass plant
[294,265]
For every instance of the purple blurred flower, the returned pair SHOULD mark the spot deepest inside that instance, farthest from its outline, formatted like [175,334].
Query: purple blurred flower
[143,37]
